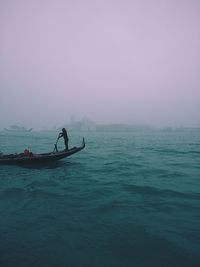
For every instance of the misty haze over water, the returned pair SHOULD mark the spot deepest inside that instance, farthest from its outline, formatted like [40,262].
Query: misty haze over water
[133,62]
[124,74]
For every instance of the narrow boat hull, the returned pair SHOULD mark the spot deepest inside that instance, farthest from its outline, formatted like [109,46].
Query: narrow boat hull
[39,158]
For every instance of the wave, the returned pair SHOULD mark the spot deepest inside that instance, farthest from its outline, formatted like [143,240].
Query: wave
[174,151]
[152,191]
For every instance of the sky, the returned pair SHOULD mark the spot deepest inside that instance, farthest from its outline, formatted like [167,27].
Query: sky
[114,61]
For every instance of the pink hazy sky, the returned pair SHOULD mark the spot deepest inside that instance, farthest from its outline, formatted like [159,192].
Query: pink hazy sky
[131,61]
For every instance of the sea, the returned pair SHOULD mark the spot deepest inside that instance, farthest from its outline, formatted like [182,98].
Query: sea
[128,199]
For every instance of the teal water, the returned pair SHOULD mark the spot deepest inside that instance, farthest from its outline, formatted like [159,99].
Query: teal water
[128,199]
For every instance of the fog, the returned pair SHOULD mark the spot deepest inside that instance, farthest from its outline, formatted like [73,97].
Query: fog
[114,61]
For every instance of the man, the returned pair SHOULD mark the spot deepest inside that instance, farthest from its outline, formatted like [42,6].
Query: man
[65,137]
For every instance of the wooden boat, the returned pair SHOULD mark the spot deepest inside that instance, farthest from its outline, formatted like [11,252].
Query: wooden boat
[39,158]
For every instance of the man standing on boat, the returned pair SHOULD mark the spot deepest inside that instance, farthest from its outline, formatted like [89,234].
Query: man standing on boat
[65,137]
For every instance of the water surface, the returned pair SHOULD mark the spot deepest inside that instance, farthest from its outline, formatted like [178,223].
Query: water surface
[128,199]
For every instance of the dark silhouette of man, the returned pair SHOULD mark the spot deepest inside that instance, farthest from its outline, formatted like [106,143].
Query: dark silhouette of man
[65,137]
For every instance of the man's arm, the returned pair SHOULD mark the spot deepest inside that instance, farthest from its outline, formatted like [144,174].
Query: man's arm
[60,135]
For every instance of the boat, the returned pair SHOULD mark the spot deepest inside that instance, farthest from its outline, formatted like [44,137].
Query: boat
[32,158]
[16,128]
